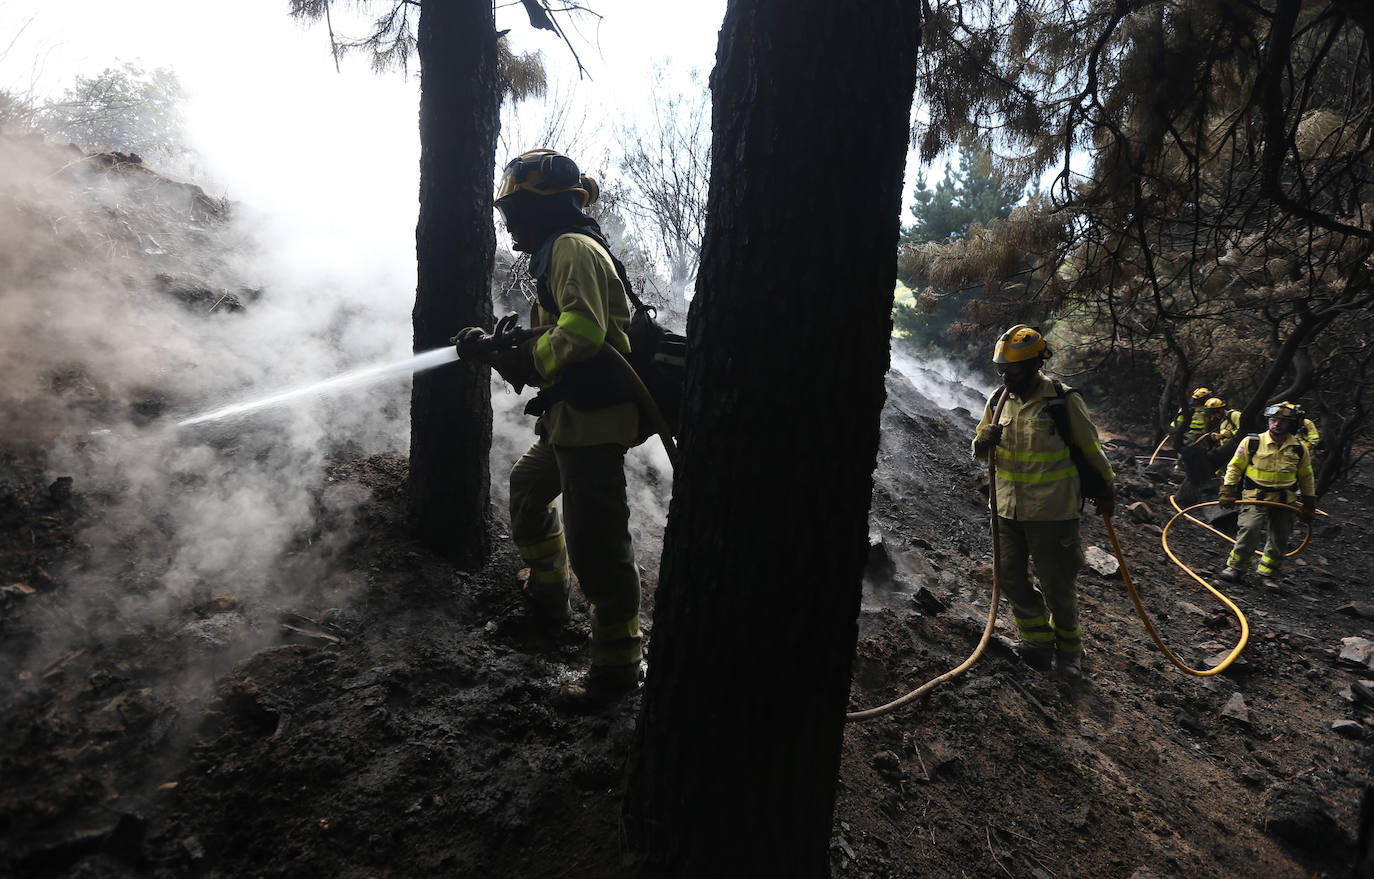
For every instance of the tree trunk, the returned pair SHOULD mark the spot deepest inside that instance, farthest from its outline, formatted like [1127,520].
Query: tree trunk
[738,745]
[455,242]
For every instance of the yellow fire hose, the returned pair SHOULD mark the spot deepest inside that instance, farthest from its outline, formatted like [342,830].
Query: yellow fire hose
[889,707]
[1173,502]
[1158,447]
[962,667]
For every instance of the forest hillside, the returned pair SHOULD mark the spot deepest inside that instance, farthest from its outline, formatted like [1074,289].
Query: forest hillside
[228,657]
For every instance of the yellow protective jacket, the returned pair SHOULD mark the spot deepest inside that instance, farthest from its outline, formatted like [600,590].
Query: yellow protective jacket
[1229,425]
[1275,471]
[1307,432]
[1198,422]
[1036,477]
[592,309]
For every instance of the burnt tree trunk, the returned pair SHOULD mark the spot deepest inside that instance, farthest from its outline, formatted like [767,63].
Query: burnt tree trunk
[738,744]
[455,242]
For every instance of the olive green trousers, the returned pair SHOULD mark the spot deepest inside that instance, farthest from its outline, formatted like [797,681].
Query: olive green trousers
[1047,616]
[592,537]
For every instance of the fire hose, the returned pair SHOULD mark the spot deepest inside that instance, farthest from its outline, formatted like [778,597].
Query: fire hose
[931,684]
[889,707]
[508,335]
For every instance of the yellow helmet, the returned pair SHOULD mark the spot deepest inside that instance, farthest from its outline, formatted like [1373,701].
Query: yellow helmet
[1214,403]
[1283,410]
[1200,394]
[546,172]
[1020,343]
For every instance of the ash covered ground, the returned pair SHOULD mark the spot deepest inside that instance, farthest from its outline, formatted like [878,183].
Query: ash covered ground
[227,657]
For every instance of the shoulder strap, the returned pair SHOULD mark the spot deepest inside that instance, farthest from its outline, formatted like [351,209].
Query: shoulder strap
[1058,411]
[1252,444]
[539,266]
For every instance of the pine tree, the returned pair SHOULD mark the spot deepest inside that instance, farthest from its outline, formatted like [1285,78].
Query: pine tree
[973,192]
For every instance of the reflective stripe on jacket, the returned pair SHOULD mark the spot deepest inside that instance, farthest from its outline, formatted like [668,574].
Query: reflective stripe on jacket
[1198,424]
[1274,467]
[592,309]
[1036,478]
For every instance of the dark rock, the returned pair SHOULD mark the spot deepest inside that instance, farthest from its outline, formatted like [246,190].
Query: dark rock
[888,765]
[1236,710]
[1301,818]
[1190,722]
[927,601]
[1362,609]
[61,490]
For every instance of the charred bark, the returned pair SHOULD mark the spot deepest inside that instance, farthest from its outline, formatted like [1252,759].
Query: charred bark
[738,744]
[455,242]
[1308,327]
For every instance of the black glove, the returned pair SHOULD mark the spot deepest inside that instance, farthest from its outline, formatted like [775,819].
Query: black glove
[1228,496]
[516,366]
[474,345]
[1106,505]
[989,437]
[1309,508]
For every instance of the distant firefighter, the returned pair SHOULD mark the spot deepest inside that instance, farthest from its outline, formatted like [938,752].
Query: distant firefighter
[1043,427]
[1270,466]
[1196,416]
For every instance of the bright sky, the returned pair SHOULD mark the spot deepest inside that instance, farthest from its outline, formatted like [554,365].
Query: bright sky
[262,84]
[325,161]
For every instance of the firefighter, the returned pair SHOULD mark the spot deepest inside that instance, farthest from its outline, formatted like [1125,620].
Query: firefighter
[1039,498]
[1270,466]
[1195,415]
[1194,419]
[587,419]
[1228,426]
[1306,430]
[1215,419]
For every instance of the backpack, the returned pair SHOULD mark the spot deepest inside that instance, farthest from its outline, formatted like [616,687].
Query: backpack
[658,355]
[1092,484]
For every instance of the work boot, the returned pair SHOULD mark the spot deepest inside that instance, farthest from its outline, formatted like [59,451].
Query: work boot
[1038,658]
[1231,575]
[1070,665]
[548,606]
[602,687]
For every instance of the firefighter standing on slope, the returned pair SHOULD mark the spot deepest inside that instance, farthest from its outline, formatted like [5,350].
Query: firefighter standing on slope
[1039,500]
[1229,426]
[1219,424]
[1196,416]
[1270,466]
[587,419]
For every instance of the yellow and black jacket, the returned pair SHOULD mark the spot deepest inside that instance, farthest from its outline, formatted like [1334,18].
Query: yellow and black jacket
[582,304]
[1272,470]
[1037,480]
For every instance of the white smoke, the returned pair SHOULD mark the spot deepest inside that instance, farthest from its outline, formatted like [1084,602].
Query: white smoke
[320,168]
[946,383]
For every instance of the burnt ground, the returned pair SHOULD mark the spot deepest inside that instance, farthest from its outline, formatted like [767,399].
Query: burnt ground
[225,656]
[405,731]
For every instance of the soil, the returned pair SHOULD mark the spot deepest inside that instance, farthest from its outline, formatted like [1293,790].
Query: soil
[392,717]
